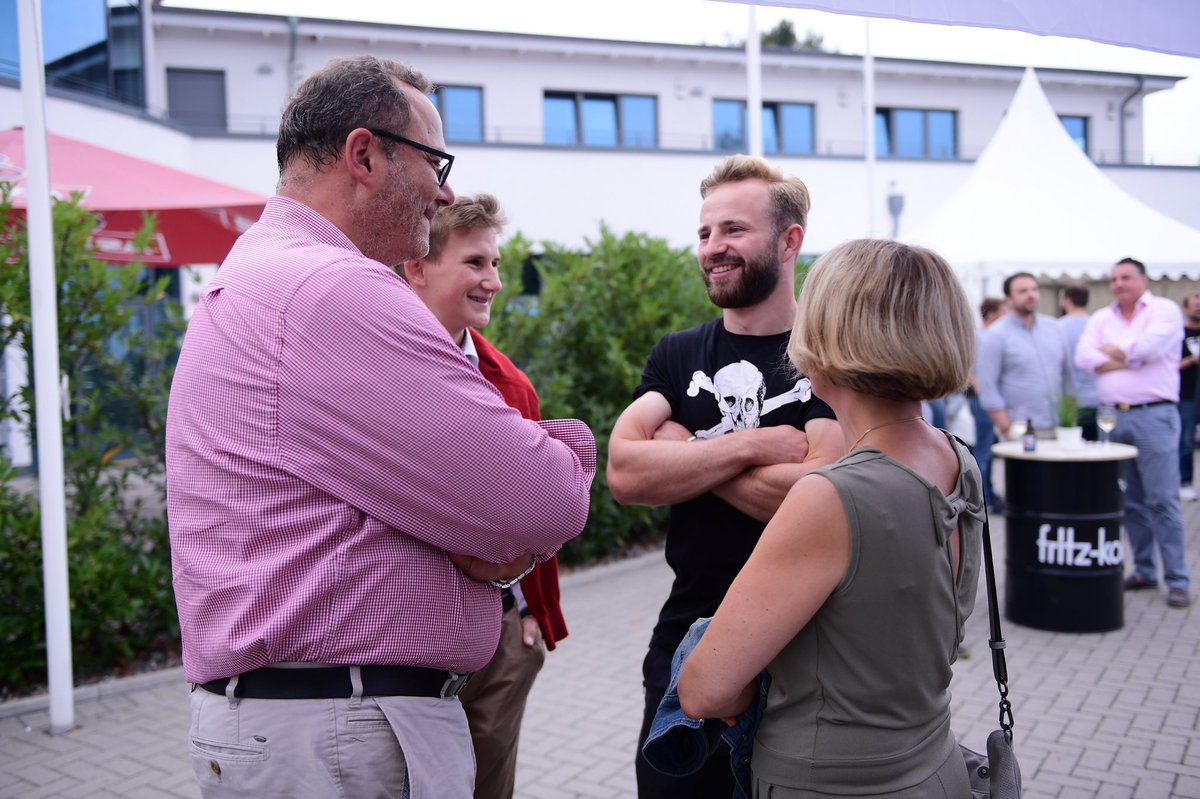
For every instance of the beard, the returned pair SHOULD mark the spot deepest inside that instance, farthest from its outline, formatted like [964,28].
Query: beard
[758,279]
[392,224]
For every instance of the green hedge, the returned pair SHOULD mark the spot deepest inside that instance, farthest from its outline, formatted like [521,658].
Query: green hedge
[122,606]
[583,341]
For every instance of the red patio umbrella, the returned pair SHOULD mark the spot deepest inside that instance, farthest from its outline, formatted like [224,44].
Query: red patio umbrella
[198,219]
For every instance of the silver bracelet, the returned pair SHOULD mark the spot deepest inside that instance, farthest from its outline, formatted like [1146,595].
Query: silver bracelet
[502,584]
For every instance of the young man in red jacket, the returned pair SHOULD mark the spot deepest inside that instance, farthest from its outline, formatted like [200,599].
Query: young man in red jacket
[457,280]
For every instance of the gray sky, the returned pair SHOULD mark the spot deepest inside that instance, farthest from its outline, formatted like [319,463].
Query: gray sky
[1172,132]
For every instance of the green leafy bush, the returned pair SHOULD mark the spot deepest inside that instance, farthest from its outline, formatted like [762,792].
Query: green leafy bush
[118,374]
[583,341]
[22,615]
[1068,408]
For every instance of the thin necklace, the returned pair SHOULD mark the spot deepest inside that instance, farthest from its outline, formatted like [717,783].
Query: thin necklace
[885,424]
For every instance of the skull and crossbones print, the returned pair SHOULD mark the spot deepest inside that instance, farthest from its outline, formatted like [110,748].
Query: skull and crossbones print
[740,392]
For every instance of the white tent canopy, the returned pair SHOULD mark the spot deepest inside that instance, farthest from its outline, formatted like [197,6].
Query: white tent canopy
[1035,202]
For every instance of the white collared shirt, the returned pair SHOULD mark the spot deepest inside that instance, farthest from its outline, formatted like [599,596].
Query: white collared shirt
[468,348]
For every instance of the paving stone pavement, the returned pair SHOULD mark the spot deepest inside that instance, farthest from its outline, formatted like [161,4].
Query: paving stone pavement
[1110,715]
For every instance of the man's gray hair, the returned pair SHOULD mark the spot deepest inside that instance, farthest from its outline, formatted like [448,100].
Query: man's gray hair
[347,93]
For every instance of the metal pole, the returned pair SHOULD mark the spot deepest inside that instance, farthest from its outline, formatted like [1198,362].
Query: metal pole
[753,85]
[869,123]
[44,318]
[152,81]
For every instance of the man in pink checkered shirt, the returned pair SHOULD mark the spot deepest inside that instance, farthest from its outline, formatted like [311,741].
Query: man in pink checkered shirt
[346,492]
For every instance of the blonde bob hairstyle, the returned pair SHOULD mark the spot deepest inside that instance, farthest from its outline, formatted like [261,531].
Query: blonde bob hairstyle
[884,319]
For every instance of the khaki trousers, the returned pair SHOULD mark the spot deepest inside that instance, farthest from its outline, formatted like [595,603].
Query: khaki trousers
[365,748]
[494,700]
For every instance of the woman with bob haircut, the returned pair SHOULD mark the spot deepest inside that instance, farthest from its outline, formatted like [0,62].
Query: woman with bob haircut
[855,597]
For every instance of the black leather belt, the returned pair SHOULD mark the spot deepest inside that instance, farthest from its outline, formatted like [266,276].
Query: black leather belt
[508,600]
[1125,406]
[333,682]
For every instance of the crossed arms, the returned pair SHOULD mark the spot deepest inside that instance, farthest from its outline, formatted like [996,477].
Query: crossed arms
[652,462]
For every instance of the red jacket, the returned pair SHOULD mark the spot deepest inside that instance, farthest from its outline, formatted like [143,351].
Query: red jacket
[541,586]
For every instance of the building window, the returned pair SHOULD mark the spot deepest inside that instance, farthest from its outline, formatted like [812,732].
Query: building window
[196,98]
[729,125]
[600,120]
[639,121]
[787,127]
[915,133]
[93,47]
[461,108]
[1077,127]
[559,122]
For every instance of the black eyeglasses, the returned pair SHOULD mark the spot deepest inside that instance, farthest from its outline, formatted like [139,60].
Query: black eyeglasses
[445,160]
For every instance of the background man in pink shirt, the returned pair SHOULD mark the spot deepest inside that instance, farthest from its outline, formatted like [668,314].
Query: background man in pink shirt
[1133,347]
[347,494]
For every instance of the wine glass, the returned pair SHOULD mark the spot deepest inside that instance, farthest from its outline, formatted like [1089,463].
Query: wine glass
[1016,428]
[1106,420]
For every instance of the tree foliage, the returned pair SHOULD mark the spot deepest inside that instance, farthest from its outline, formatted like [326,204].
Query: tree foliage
[117,372]
[783,37]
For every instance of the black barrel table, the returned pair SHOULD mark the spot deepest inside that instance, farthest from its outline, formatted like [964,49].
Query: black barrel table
[1064,564]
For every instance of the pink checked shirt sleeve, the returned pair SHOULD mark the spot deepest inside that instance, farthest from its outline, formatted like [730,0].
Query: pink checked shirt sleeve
[328,445]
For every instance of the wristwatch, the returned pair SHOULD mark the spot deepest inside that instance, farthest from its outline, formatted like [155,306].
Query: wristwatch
[502,584]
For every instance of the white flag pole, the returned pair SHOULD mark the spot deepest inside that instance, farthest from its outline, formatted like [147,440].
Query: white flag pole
[869,123]
[44,317]
[754,132]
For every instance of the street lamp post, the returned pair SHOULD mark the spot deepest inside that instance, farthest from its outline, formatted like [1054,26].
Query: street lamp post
[895,202]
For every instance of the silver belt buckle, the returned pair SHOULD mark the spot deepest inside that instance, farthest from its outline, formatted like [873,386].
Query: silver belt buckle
[454,684]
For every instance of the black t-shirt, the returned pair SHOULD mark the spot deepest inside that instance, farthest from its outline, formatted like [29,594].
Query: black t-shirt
[718,382]
[1187,377]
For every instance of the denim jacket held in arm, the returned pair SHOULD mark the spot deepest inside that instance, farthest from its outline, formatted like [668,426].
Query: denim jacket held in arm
[678,745]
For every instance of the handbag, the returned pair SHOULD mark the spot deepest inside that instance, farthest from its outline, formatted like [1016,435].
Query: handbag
[995,775]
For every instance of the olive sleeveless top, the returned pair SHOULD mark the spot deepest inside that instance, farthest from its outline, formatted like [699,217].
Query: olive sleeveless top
[859,701]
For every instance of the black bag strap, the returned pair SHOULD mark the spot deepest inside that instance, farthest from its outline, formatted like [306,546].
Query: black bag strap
[996,641]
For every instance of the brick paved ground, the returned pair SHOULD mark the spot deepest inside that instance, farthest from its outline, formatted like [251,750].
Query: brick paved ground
[1097,715]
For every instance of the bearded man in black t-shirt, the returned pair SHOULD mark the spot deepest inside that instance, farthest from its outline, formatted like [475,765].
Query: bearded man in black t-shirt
[721,426]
